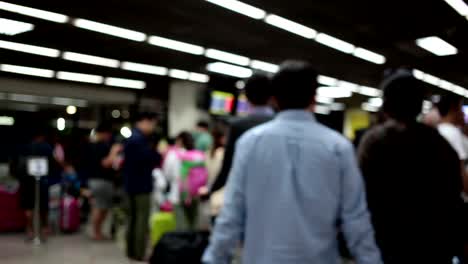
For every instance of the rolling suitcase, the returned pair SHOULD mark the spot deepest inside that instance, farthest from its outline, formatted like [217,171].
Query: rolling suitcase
[180,247]
[69,214]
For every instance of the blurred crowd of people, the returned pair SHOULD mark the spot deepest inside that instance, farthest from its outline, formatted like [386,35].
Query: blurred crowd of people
[278,182]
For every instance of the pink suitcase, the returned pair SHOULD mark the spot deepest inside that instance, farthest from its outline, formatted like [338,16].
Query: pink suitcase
[69,214]
[12,217]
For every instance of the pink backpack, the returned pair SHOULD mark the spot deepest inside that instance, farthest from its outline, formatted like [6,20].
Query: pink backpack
[194,174]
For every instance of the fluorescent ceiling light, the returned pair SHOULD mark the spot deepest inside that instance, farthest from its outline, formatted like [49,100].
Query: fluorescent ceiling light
[349,85]
[144,68]
[459,5]
[418,74]
[321,109]
[61,124]
[126,132]
[334,92]
[79,77]
[325,80]
[240,84]
[12,27]
[338,107]
[176,45]
[431,79]
[264,66]
[72,56]
[7,121]
[228,69]
[376,102]
[227,57]
[446,85]
[198,77]
[240,8]
[436,46]
[369,56]
[323,99]
[369,108]
[32,12]
[69,101]
[110,30]
[334,43]
[459,90]
[28,98]
[125,83]
[370,91]
[29,49]
[291,26]
[179,74]
[27,70]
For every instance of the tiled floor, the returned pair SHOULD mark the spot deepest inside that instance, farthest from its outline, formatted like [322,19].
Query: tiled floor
[73,249]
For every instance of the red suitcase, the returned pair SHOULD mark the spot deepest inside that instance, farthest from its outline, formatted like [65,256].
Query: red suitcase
[12,217]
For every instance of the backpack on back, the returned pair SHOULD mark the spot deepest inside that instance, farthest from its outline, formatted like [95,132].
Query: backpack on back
[194,174]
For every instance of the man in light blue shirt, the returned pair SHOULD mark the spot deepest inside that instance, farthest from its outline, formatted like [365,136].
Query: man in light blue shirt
[294,183]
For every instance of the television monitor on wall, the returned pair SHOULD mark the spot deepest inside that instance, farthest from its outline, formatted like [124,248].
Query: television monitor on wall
[222,103]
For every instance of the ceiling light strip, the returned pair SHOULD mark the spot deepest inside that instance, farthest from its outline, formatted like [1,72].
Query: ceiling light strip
[441,83]
[109,30]
[33,12]
[12,27]
[241,8]
[89,59]
[27,70]
[31,49]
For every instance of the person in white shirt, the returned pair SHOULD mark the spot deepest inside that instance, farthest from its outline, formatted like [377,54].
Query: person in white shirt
[452,117]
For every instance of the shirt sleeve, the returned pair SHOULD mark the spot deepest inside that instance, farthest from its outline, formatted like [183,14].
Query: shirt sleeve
[355,217]
[231,222]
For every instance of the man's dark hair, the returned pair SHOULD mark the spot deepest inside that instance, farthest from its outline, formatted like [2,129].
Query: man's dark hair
[187,140]
[145,116]
[104,127]
[447,103]
[295,85]
[403,96]
[203,124]
[258,89]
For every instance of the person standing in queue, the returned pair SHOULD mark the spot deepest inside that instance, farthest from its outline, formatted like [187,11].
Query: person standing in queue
[258,93]
[140,160]
[101,176]
[292,181]
[413,180]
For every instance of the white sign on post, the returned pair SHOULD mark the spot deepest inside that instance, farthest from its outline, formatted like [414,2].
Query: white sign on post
[38,166]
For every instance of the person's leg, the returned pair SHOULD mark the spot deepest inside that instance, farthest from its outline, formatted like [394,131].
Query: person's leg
[29,223]
[131,227]
[98,217]
[141,225]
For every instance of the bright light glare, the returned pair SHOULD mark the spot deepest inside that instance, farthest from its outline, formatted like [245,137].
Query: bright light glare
[61,123]
[418,74]
[72,56]
[370,91]
[446,85]
[323,99]
[459,90]
[459,5]
[125,83]
[349,85]
[335,43]
[369,56]
[71,109]
[431,79]
[12,27]
[32,12]
[376,102]
[240,84]
[334,92]
[264,66]
[227,57]
[321,109]
[115,113]
[27,70]
[240,8]
[179,74]
[338,107]
[144,68]
[110,30]
[291,26]
[198,77]
[325,80]
[7,121]
[228,69]
[29,49]
[80,77]
[176,45]
[369,108]
[437,46]
[126,132]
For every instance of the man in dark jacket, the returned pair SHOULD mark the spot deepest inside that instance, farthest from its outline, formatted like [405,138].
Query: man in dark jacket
[140,160]
[413,181]
[258,92]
